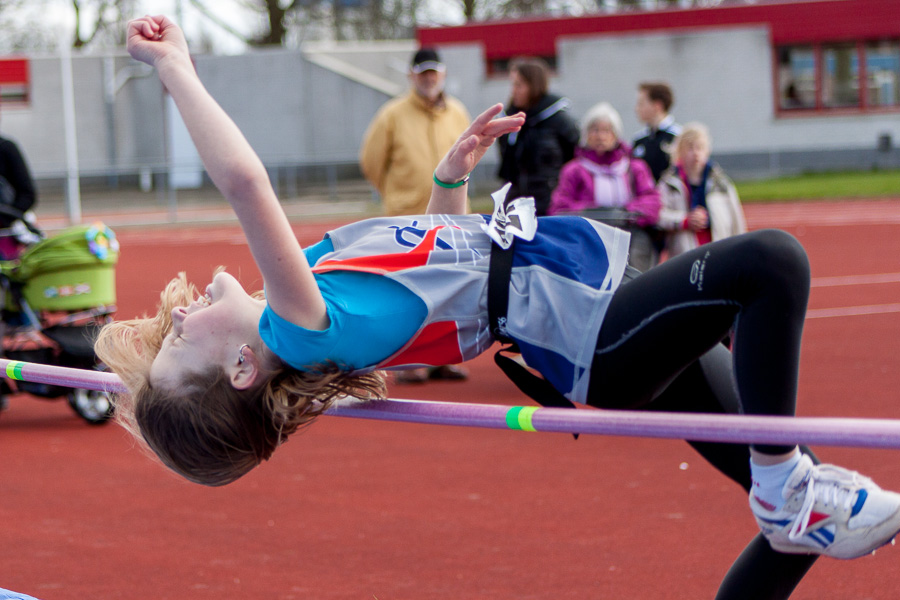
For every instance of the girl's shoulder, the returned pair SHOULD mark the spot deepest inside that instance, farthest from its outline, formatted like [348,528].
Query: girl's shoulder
[671,179]
[719,179]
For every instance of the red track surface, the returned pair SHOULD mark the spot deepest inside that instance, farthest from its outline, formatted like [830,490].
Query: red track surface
[362,510]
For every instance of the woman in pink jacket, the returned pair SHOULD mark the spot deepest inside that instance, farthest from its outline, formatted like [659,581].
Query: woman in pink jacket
[604,175]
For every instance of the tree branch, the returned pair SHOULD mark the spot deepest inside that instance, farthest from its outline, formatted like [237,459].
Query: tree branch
[219,22]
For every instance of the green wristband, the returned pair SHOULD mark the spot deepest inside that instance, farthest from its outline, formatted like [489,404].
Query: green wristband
[450,186]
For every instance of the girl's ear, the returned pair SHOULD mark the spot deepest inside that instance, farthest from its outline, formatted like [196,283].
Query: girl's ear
[244,369]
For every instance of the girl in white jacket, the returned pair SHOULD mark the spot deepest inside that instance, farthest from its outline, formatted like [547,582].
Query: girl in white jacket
[699,201]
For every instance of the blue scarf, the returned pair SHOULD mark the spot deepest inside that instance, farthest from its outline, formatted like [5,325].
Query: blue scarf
[698,192]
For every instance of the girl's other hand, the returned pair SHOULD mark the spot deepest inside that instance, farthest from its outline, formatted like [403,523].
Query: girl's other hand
[151,39]
[698,219]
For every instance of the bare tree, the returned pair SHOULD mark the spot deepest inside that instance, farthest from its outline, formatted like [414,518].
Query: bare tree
[22,28]
[98,23]
[276,17]
[273,13]
[108,23]
[385,19]
[284,23]
[287,22]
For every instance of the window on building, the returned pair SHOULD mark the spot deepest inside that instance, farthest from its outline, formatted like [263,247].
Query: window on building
[797,77]
[883,74]
[839,76]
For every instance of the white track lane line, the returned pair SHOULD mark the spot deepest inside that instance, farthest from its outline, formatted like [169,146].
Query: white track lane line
[855,280]
[852,311]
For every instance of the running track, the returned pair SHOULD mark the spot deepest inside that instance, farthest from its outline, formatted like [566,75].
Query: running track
[363,510]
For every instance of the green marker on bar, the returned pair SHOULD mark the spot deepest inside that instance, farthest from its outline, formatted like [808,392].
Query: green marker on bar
[14,369]
[519,417]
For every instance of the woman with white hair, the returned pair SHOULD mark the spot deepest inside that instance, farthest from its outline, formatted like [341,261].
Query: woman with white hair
[699,201]
[604,175]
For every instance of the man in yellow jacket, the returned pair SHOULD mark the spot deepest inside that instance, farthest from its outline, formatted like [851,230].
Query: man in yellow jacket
[402,146]
[409,135]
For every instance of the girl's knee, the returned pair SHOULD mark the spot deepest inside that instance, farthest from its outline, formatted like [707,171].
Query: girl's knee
[781,256]
[781,262]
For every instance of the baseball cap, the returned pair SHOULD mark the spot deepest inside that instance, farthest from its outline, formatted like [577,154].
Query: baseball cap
[427,59]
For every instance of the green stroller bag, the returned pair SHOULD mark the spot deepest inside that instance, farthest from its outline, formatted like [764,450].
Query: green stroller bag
[74,270]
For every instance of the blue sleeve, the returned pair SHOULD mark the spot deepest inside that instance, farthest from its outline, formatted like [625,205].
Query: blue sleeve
[318,250]
[371,318]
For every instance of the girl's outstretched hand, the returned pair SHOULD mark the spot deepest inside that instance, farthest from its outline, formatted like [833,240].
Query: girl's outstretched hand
[151,39]
[475,141]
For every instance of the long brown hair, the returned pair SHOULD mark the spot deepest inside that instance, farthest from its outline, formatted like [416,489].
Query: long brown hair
[535,72]
[210,432]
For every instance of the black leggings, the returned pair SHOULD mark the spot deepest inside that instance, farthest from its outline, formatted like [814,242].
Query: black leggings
[662,321]
[659,350]
[706,386]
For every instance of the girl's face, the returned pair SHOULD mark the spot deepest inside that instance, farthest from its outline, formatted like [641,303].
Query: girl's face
[695,155]
[521,93]
[209,332]
[601,137]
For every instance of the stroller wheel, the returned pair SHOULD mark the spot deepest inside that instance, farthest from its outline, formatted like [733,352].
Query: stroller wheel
[94,407]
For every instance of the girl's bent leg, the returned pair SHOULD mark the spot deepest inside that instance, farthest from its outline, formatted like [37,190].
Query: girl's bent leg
[707,387]
[661,322]
[665,319]
[760,572]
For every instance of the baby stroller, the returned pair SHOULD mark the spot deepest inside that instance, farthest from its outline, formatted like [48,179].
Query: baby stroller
[645,242]
[58,293]
[616,217]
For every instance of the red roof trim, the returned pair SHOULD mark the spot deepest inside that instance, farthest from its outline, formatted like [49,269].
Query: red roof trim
[789,22]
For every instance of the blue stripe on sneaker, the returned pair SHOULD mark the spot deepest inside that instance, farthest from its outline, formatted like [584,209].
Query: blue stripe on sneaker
[861,496]
[827,535]
[814,537]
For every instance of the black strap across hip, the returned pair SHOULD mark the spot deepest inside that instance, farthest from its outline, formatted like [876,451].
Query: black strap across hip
[537,388]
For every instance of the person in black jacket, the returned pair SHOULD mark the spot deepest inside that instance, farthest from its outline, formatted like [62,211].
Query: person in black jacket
[652,143]
[531,158]
[17,195]
[16,186]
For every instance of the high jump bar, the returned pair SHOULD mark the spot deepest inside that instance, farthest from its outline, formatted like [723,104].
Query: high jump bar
[701,427]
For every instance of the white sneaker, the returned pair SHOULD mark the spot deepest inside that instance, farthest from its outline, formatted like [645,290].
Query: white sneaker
[829,511]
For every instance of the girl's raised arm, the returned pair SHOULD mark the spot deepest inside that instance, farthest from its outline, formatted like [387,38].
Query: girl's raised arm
[236,171]
[464,155]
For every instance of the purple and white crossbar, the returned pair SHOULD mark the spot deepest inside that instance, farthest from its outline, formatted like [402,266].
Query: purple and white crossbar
[830,431]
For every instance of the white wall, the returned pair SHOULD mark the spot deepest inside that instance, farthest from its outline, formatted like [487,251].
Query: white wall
[296,112]
[720,77]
